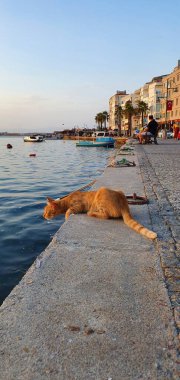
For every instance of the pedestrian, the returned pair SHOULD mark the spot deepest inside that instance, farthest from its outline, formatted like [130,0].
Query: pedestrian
[151,130]
[176,131]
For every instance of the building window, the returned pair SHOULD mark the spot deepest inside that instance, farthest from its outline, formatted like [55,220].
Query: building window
[171,113]
[176,101]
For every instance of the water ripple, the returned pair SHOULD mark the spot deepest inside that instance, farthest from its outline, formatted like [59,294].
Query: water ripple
[25,182]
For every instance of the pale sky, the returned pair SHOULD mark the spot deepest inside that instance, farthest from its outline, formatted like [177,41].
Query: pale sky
[61,61]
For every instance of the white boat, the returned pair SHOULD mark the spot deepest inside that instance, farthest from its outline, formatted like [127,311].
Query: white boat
[33,138]
[100,134]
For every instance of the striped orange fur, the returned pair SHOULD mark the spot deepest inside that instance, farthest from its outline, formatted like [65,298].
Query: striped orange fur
[103,203]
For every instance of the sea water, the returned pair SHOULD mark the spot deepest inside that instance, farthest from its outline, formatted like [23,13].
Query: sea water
[56,168]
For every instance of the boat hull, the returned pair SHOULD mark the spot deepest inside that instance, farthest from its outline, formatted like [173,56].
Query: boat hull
[105,142]
[90,144]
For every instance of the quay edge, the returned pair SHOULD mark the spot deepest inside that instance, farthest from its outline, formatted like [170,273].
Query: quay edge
[94,304]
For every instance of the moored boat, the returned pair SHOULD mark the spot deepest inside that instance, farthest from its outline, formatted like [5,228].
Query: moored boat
[33,138]
[103,140]
[104,143]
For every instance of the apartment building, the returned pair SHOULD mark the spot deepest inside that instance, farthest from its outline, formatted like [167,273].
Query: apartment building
[149,93]
[124,121]
[156,94]
[120,99]
[170,99]
[115,101]
[135,97]
[144,93]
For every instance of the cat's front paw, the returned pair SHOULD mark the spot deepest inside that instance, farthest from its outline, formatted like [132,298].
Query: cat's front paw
[68,214]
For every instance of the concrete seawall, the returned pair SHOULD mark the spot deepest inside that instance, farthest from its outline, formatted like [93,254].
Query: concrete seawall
[94,305]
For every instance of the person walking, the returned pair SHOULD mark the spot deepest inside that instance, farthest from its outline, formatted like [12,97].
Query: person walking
[176,131]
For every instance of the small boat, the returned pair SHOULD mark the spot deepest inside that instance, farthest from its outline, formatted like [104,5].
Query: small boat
[104,144]
[101,139]
[33,138]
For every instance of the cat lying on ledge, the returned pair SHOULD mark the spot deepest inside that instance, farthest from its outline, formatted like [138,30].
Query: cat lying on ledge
[102,203]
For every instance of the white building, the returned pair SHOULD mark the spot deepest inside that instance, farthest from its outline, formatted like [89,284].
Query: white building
[150,93]
[155,93]
[115,101]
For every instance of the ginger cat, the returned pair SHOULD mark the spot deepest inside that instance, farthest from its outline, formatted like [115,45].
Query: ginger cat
[102,203]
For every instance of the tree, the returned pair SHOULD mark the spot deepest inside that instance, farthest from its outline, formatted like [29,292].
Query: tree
[142,108]
[106,118]
[129,111]
[118,114]
[100,119]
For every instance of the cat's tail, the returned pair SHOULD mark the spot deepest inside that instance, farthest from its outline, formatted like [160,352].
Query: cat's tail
[132,223]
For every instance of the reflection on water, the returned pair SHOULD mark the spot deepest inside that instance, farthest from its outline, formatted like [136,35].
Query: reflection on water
[58,168]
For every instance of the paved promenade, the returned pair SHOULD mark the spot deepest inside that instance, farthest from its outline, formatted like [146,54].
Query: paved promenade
[102,302]
[161,176]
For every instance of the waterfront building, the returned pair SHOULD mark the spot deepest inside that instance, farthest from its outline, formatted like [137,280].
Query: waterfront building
[161,94]
[115,101]
[170,99]
[155,94]
[144,97]
[124,121]
[144,93]
[135,97]
[150,94]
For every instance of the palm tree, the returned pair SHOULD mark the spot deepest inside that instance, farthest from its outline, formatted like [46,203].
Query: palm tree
[129,111]
[142,107]
[105,113]
[100,119]
[119,114]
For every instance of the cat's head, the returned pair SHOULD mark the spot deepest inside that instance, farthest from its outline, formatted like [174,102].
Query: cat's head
[51,210]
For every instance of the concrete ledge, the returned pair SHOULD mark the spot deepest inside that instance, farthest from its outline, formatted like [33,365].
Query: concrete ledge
[93,306]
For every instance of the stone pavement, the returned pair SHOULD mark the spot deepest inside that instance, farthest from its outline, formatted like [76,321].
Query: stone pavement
[101,301]
[160,171]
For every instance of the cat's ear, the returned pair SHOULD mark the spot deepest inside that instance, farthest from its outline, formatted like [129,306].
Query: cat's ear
[50,200]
